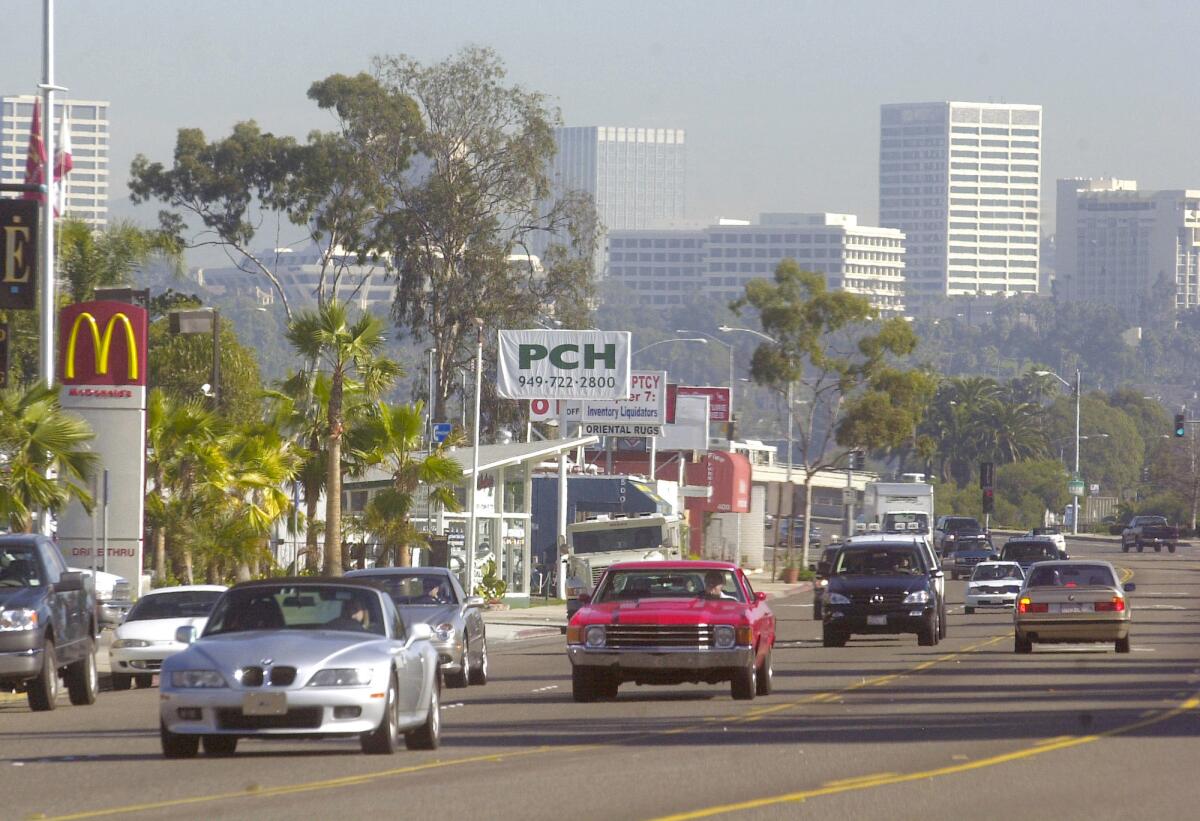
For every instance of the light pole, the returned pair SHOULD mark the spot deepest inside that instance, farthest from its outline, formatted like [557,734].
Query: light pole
[1075,477]
[728,348]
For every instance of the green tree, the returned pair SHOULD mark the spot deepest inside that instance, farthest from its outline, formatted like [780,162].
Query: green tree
[181,364]
[1110,449]
[88,258]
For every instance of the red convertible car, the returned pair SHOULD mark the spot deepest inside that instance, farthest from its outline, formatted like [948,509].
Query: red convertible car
[669,622]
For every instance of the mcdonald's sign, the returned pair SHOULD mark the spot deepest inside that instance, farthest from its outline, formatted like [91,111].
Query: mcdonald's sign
[102,343]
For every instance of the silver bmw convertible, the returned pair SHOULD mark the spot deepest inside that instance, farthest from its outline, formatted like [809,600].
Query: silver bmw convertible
[301,658]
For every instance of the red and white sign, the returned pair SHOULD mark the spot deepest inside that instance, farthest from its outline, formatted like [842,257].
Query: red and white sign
[718,401]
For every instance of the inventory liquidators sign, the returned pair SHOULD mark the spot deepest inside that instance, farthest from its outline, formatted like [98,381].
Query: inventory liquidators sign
[540,364]
[642,414]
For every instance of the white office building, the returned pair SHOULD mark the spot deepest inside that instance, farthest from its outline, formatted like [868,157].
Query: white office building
[1136,250]
[962,181]
[656,267]
[87,183]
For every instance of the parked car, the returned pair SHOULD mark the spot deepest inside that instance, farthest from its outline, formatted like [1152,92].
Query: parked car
[1026,550]
[301,657]
[821,580]
[434,596]
[946,532]
[881,587]
[993,584]
[669,622]
[48,625]
[147,635]
[1072,602]
[1152,531]
[965,559]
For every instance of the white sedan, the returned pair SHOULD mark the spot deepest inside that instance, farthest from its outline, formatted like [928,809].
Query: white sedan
[147,636]
[993,584]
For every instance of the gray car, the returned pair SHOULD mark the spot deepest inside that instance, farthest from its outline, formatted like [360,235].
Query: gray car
[301,657]
[434,596]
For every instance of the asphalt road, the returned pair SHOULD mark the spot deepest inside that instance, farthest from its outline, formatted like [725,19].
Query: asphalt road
[879,729]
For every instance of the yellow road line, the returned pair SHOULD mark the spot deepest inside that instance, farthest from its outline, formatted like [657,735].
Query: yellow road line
[846,782]
[835,788]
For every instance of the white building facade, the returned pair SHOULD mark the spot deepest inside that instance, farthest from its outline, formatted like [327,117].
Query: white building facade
[963,182]
[87,183]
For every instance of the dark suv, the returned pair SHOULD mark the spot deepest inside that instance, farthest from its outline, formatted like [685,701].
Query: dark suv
[47,623]
[880,588]
[948,529]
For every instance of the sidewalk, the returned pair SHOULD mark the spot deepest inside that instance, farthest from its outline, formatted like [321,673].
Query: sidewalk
[540,622]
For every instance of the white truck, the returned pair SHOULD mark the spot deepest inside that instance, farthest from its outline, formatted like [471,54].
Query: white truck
[594,544]
[900,507]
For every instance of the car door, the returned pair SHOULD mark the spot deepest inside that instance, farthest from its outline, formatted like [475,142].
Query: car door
[472,619]
[762,619]
[66,607]
[410,664]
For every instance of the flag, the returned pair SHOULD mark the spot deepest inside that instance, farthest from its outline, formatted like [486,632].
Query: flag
[63,162]
[35,160]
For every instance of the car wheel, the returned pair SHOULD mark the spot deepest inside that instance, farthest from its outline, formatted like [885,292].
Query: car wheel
[927,633]
[176,745]
[1170,548]
[1140,547]
[120,682]
[429,734]
[607,684]
[385,739]
[219,745]
[941,622]
[744,682]
[1158,548]
[463,677]
[817,609]
[583,684]
[1123,645]
[766,676]
[42,692]
[479,673]
[83,682]
[144,680]
[1124,547]
[1022,645]
[970,611]
[833,638]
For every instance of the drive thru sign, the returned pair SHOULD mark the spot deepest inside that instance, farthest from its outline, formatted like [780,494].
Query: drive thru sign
[538,364]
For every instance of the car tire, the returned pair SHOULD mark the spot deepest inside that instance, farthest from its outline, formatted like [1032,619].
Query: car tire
[607,685]
[144,680]
[83,680]
[1022,645]
[970,611]
[1124,547]
[941,623]
[764,681]
[463,677]
[744,682]
[1140,547]
[927,633]
[1158,548]
[833,638]
[1123,645]
[385,739]
[121,682]
[1170,548]
[176,745]
[219,745]
[583,684]
[817,609]
[42,692]
[479,673]
[429,735]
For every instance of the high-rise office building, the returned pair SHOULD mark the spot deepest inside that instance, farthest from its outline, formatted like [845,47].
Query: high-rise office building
[87,184]
[962,181]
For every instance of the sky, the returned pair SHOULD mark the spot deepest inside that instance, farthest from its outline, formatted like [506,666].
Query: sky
[780,100]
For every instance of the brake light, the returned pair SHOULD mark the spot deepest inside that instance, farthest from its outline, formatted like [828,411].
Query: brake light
[1027,605]
[1117,605]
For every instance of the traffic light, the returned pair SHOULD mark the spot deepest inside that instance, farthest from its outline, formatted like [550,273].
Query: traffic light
[987,474]
[1180,424]
[989,500]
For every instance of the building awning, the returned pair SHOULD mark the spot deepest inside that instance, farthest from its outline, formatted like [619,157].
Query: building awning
[493,457]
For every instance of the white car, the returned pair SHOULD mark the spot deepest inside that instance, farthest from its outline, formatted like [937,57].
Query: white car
[993,584]
[147,636]
[114,595]
[1054,535]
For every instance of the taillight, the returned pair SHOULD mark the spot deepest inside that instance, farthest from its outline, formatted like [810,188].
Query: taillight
[1115,606]
[1027,605]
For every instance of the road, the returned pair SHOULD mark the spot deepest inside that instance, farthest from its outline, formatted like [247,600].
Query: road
[880,728]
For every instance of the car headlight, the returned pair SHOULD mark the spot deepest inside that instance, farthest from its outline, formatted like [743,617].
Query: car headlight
[836,598]
[122,643]
[724,636]
[18,619]
[593,636]
[342,677]
[444,631]
[188,679]
[822,582]
[917,597]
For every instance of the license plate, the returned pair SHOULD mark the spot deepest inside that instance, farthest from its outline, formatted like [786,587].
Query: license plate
[876,620]
[264,704]
[1070,608]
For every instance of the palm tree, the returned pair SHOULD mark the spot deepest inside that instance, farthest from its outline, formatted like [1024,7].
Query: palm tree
[37,441]
[90,259]
[348,352]
[1014,433]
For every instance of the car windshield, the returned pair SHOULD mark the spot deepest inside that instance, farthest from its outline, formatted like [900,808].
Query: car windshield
[954,525]
[715,583]
[1030,552]
[297,607]
[406,589]
[1045,531]
[185,604]
[875,561]
[1072,575]
[18,566]
[905,523]
[1152,520]
[997,572]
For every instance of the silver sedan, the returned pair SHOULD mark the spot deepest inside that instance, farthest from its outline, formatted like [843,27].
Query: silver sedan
[434,596]
[301,657]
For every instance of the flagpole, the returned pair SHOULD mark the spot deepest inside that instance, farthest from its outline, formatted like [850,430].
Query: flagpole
[49,306]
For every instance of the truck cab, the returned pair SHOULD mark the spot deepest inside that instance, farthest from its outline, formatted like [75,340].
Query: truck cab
[594,544]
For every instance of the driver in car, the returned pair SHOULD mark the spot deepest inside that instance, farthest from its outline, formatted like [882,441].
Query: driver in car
[435,591]
[714,586]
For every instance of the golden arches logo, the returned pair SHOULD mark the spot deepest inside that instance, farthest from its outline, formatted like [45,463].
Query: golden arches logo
[101,344]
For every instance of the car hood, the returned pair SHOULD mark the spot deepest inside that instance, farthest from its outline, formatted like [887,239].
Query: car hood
[306,650]
[15,597]
[856,584]
[157,629]
[663,611]
[431,614]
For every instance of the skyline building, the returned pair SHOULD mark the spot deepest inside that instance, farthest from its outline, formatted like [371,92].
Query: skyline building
[962,180]
[87,183]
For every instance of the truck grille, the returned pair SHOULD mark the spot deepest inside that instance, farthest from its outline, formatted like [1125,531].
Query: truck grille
[967,561]
[299,718]
[624,636]
[889,599]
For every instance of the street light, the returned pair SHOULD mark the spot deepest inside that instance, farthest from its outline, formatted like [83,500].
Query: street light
[1075,477]
[673,339]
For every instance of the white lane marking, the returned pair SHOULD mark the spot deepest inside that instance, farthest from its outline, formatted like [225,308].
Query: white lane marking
[544,689]
[1165,595]
[1142,649]
[452,706]
[1160,607]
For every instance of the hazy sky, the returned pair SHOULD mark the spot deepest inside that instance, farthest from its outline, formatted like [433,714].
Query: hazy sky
[780,99]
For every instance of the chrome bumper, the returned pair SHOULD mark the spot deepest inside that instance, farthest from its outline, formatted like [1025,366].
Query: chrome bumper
[660,658]
[21,664]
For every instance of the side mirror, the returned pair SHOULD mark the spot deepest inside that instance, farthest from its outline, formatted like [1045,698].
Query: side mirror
[761,596]
[419,631]
[475,601]
[585,598]
[69,582]
[185,634]
[937,574]
[1129,588]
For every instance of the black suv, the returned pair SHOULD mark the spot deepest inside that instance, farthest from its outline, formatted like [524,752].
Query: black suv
[948,529]
[880,588]
[47,623]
